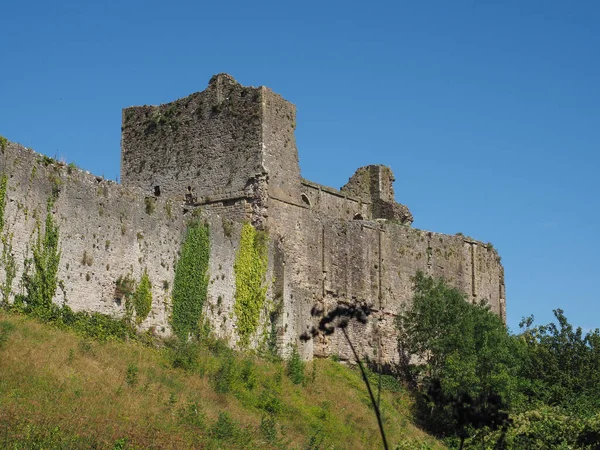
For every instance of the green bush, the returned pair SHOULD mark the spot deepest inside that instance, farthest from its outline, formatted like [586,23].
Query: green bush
[268,428]
[270,402]
[248,374]
[224,428]
[295,367]
[131,376]
[226,375]
[95,325]
[185,356]
[192,415]
[543,428]
[5,329]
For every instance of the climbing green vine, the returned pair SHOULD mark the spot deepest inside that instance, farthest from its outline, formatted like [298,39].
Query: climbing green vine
[191,280]
[142,299]
[3,185]
[40,277]
[10,268]
[250,286]
[8,259]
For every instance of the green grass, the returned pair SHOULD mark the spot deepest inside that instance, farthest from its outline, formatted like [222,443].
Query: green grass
[59,390]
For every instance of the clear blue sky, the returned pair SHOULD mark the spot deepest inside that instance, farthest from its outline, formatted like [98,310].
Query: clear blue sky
[489,114]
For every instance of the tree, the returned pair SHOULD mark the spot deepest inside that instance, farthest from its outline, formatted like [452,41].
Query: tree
[562,365]
[460,356]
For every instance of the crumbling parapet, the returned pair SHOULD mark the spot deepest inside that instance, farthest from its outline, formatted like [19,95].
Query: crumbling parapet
[374,184]
[381,209]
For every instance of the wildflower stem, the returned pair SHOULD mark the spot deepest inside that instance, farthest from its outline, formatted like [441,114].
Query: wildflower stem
[366,380]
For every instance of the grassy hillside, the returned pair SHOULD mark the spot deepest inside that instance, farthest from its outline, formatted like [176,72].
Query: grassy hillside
[59,390]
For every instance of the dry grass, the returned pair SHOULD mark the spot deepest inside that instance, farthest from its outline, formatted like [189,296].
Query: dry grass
[58,390]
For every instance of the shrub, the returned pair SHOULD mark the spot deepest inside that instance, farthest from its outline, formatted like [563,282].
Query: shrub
[248,374]
[295,367]
[268,428]
[192,415]
[94,325]
[226,375]
[185,356]
[5,330]
[270,402]
[224,428]
[131,376]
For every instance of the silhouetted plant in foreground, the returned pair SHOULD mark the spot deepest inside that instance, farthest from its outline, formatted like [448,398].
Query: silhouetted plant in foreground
[339,318]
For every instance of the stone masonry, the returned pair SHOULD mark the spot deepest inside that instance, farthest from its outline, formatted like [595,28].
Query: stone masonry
[229,154]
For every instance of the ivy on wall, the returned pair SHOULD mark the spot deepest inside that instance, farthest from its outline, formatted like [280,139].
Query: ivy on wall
[250,269]
[142,299]
[3,185]
[8,259]
[191,280]
[10,268]
[40,277]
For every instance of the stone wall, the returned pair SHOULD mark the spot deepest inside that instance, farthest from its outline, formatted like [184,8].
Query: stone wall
[106,231]
[332,203]
[331,261]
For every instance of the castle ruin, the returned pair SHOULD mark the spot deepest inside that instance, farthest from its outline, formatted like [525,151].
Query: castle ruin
[228,155]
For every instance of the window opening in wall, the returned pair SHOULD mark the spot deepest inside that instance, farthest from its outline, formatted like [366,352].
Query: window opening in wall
[157,191]
[306,200]
[358,216]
